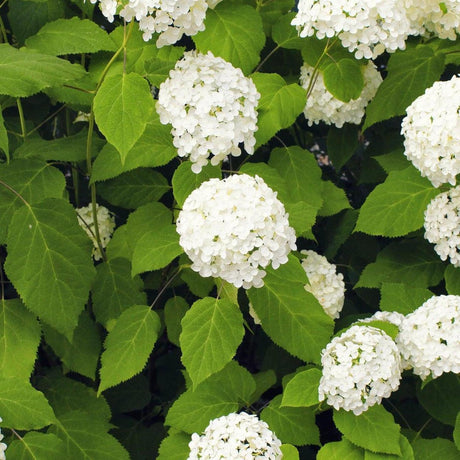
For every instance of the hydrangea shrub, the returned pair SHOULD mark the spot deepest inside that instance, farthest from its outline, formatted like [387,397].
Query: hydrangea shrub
[229,229]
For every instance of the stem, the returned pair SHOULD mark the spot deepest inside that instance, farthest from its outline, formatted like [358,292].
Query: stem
[46,120]
[21,119]
[11,189]
[2,27]
[267,57]
[163,289]
[419,432]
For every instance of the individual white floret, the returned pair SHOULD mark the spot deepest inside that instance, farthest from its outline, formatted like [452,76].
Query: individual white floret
[442,225]
[106,225]
[324,282]
[365,27]
[235,437]
[431,130]
[211,106]
[429,338]
[108,8]
[360,368]
[322,106]
[234,228]
[3,446]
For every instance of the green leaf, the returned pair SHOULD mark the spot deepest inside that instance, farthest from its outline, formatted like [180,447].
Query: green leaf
[184,180]
[344,79]
[154,148]
[212,330]
[279,104]
[220,394]
[156,249]
[174,447]
[402,298]
[457,431]
[340,450]
[340,227]
[22,406]
[264,381]
[285,35]
[291,316]
[233,32]
[114,290]
[396,207]
[302,389]
[406,452]
[374,430]
[19,339]
[122,108]
[71,36]
[3,137]
[342,144]
[302,217]
[34,180]
[412,262]
[24,72]
[434,449]
[271,12]
[82,353]
[49,262]
[157,69]
[134,188]
[334,199]
[410,72]
[289,452]
[36,446]
[393,161]
[452,278]
[128,345]
[294,425]
[175,309]
[86,438]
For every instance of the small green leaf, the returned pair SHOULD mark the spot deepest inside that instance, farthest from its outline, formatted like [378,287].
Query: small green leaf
[285,35]
[271,12]
[396,207]
[294,425]
[402,298]
[71,36]
[302,389]
[406,452]
[233,32]
[342,144]
[452,278]
[334,199]
[434,449]
[302,217]
[374,429]
[289,452]
[175,309]
[122,107]
[128,345]
[156,249]
[36,446]
[340,450]
[279,104]
[264,381]
[457,431]
[344,79]
[174,447]
[212,330]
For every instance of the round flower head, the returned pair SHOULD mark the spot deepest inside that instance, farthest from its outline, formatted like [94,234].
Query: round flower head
[3,446]
[211,106]
[233,228]
[235,437]
[430,337]
[360,367]
[442,225]
[106,224]
[324,283]
[431,129]
[365,27]
[321,105]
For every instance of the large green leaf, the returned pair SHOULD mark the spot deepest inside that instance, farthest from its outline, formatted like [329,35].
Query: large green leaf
[122,108]
[220,394]
[22,406]
[396,207]
[212,330]
[24,72]
[374,429]
[128,345]
[279,104]
[302,389]
[70,36]
[344,79]
[434,449]
[49,262]
[233,32]
[34,180]
[340,450]
[19,339]
[290,316]
[36,446]
[410,72]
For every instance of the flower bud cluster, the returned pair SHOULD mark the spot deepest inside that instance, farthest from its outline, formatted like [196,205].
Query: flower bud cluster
[324,282]
[211,106]
[360,368]
[235,436]
[106,225]
[431,129]
[322,106]
[233,228]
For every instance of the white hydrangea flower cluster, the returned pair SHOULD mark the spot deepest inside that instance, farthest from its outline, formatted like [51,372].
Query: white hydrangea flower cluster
[365,27]
[322,106]
[211,106]
[431,129]
[429,338]
[106,225]
[324,282]
[233,228]
[3,446]
[442,225]
[360,368]
[234,437]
